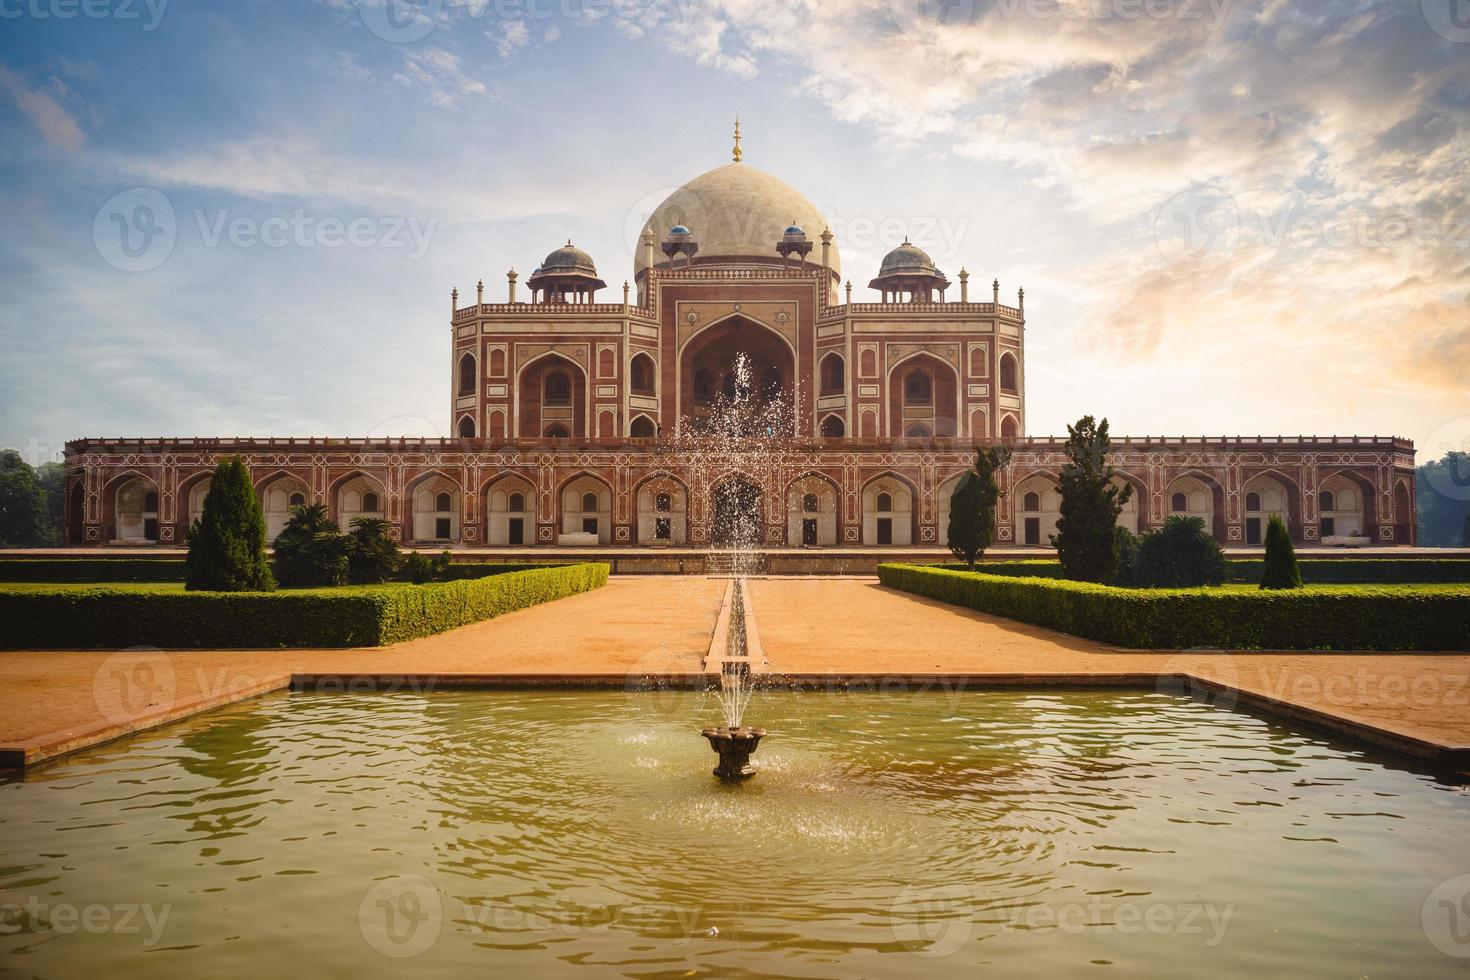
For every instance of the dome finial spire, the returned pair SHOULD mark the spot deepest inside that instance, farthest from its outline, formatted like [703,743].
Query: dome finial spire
[737,153]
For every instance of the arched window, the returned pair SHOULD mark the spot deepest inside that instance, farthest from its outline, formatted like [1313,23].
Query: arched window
[1329,501]
[885,501]
[443,502]
[1032,501]
[497,362]
[297,499]
[832,374]
[809,503]
[642,374]
[917,431]
[589,501]
[704,386]
[466,428]
[467,374]
[1179,503]
[917,389]
[663,503]
[606,364]
[1008,427]
[558,388]
[150,502]
[832,427]
[370,502]
[557,432]
[1008,382]
[977,362]
[1252,501]
[868,361]
[516,503]
[642,428]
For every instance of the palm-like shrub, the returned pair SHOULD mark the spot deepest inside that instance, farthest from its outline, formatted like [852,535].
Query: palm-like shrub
[1180,555]
[227,542]
[372,554]
[310,550]
[1281,571]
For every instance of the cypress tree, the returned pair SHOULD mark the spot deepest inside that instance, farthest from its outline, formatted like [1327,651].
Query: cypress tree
[227,543]
[1281,570]
[1085,541]
[972,505]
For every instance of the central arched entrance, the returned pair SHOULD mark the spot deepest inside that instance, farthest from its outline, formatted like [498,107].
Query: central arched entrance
[709,376]
[737,514]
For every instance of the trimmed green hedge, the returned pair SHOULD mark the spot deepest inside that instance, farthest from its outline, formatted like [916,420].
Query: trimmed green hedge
[128,569]
[138,569]
[1170,619]
[1315,571]
[363,616]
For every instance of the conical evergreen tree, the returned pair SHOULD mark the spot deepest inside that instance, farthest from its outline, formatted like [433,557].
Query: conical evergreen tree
[227,543]
[1085,541]
[1281,571]
[972,505]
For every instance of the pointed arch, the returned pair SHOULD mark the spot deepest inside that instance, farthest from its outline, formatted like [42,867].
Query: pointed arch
[897,523]
[426,517]
[813,509]
[935,402]
[642,427]
[468,375]
[534,415]
[574,517]
[125,501]
[832,373]
[509,500]
[662,509]
[356,493]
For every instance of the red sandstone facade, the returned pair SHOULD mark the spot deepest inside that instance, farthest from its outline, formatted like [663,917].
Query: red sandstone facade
[569,413]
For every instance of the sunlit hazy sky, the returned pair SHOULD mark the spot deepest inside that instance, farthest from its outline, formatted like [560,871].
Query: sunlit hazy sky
[1228,217]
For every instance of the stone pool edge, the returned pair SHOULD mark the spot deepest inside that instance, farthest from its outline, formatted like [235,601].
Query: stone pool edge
[20,756]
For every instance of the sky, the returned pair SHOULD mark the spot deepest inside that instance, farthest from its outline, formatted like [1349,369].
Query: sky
[245,217]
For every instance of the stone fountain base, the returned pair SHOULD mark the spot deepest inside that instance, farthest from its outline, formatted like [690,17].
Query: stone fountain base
[734,746]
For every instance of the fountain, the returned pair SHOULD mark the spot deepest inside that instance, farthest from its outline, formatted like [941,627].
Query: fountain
[733,741]
[742,441]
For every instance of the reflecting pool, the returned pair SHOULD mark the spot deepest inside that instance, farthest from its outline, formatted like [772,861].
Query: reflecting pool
[580,833]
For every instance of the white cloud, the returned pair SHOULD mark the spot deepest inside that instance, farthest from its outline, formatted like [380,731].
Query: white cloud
[56,125]
[438,73]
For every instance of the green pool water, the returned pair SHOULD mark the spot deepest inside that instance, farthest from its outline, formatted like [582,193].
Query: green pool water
[532,834]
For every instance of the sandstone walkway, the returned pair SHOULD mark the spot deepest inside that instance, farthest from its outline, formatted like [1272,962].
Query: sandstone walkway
[636,628]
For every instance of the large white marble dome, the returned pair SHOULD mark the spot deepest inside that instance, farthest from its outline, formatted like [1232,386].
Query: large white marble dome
[737,211]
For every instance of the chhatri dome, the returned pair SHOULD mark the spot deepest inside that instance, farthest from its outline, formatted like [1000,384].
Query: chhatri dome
[735,211]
